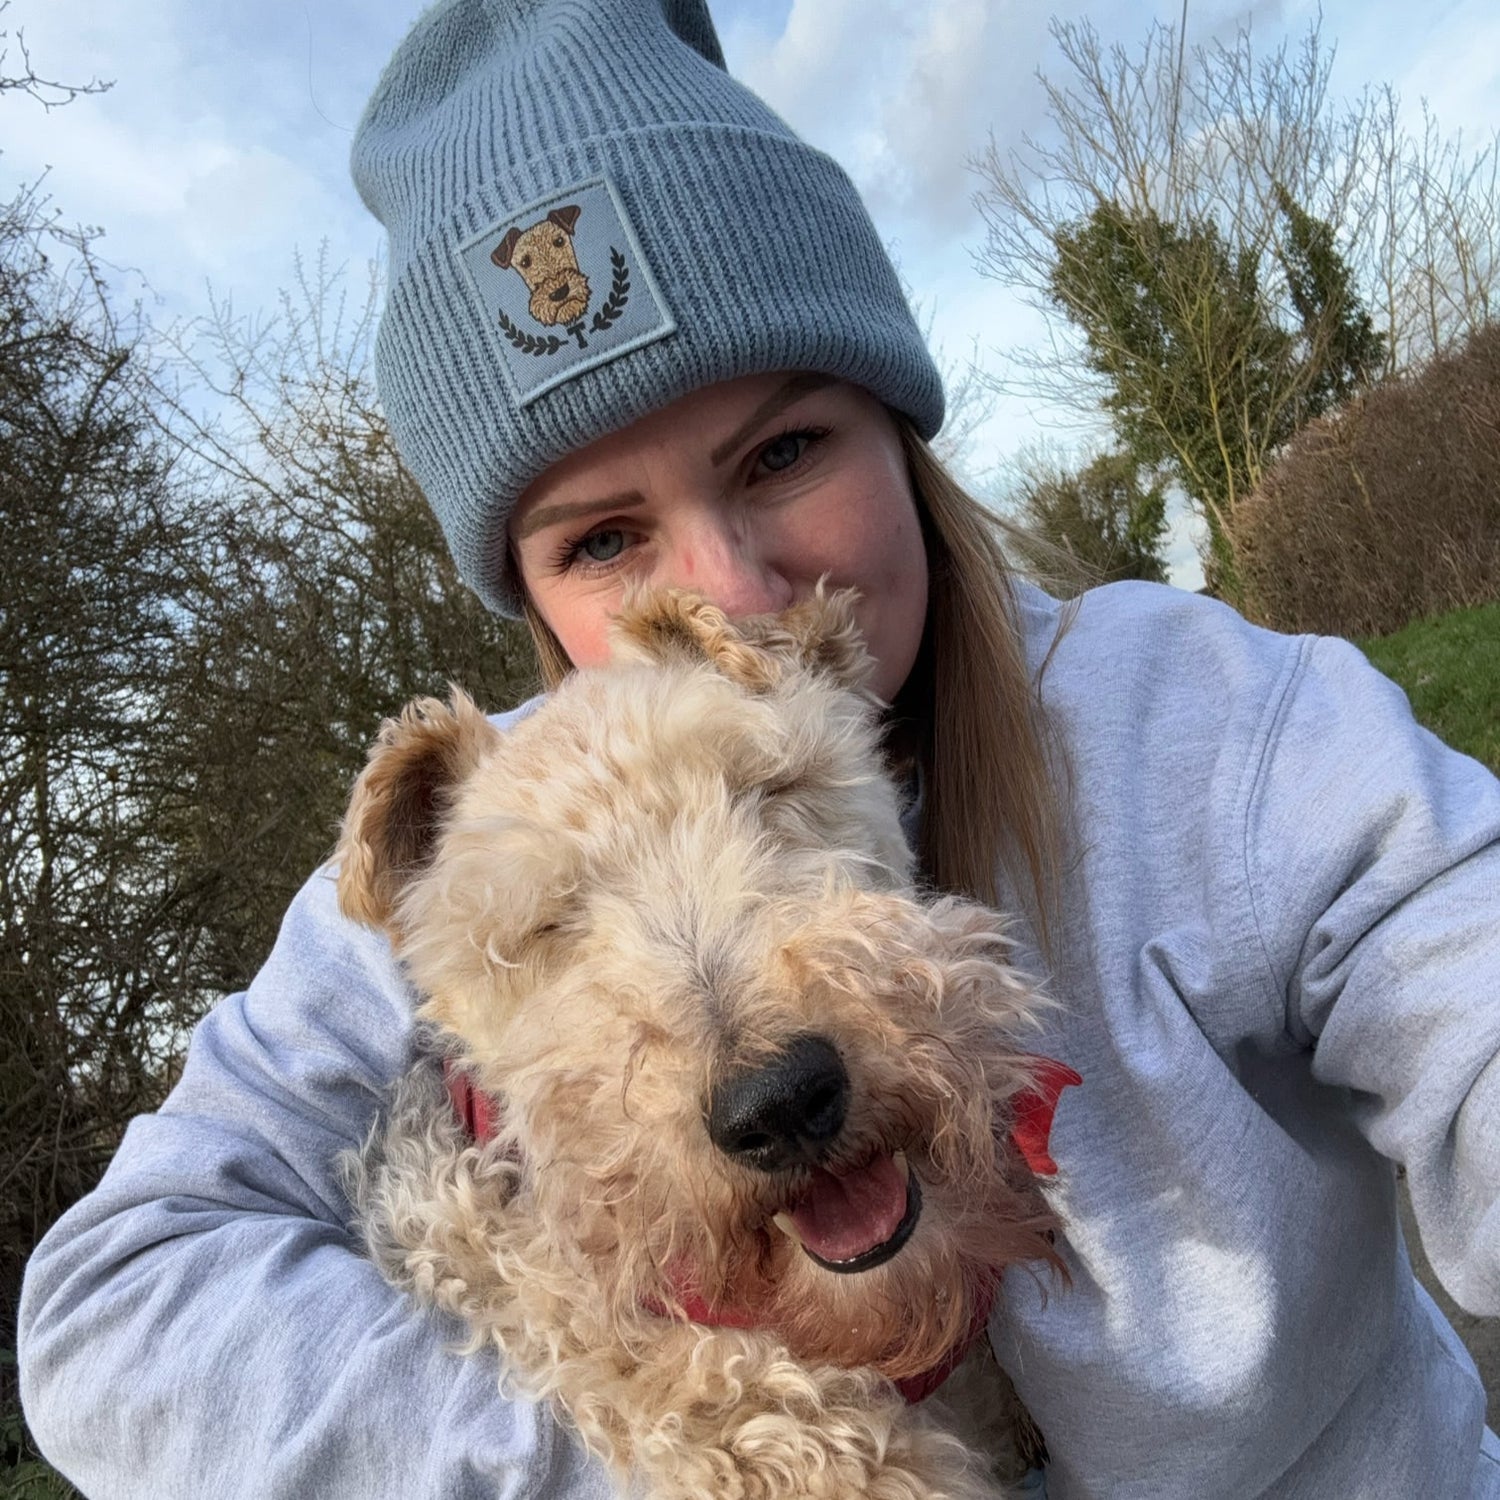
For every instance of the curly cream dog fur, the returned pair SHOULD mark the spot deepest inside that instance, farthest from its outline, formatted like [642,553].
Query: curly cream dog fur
[668,921]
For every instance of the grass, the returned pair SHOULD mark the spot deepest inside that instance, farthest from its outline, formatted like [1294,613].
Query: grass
[1449,667]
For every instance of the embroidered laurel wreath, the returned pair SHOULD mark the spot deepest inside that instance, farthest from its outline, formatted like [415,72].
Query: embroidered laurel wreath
[529,343]
[619,293]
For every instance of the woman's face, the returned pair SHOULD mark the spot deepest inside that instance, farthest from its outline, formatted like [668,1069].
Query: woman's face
[747,492]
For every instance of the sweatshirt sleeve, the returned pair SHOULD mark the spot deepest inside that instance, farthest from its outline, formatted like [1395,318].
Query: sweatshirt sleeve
[1374,870]
[205,1323]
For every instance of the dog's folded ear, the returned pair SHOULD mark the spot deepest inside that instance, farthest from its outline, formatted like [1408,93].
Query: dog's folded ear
[396,813]
[756,653]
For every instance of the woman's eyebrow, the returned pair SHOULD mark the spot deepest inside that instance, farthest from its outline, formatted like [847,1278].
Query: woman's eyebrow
[783,396]
[573,510]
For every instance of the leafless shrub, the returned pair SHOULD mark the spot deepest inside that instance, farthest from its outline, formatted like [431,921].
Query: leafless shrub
[1386,511]
[96,931]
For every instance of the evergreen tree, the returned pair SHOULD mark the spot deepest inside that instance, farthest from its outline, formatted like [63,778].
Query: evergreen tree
[1106,518]
[1198,379]
[1215,243]
[1211,354]
[1341,348]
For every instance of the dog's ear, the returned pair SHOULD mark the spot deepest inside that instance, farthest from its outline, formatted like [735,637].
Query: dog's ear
[756,653]
[823,633]
[676,626]
[565,217]
[502,252]
[401,798]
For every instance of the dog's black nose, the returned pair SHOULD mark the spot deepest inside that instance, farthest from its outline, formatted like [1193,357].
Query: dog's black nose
[783,1112]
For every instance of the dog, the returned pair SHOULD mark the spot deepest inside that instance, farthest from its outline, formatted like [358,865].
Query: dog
[750,1168]
[542,256]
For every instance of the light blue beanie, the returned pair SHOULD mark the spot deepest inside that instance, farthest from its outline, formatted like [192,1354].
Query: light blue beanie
[588,219]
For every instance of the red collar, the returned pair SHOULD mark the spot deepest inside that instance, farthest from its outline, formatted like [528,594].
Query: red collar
[1030,1132]
[1031,1128]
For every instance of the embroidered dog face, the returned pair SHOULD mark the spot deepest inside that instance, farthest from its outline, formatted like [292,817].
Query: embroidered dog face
[542,255]
[669,921]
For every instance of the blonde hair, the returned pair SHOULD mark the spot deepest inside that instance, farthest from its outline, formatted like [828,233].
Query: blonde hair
[969,714]
[992,799]
[552,662]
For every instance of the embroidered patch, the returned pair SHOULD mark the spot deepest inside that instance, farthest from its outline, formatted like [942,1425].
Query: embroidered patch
[565,287]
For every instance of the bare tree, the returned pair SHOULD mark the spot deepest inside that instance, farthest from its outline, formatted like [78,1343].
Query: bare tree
[1211,190]
[326,601]
[50,93]
[93,967]
[202,622]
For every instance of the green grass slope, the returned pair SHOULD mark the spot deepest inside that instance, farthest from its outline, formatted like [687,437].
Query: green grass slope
[1449,667]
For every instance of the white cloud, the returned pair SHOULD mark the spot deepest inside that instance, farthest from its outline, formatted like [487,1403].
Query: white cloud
[219,151]
[901,94]
[1462,84]
[237,211]
[905,94]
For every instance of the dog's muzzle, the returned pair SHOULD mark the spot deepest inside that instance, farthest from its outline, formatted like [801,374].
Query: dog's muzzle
[787,1112]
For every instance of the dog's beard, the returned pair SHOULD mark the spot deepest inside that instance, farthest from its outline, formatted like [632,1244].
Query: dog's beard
[622,1168]
[664,1239]
[550,309]
[904,1317]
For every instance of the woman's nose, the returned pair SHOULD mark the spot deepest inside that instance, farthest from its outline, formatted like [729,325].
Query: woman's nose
[729,569]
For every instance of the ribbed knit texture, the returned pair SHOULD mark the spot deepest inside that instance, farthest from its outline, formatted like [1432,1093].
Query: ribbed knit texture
[761,251]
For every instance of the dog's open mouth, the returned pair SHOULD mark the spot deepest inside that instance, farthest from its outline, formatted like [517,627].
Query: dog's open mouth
[858,1221]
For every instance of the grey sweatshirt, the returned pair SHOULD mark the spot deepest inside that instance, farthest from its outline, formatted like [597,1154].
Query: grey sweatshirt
[1278,962]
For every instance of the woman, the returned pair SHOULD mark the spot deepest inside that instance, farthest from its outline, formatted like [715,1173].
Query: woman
[637,331]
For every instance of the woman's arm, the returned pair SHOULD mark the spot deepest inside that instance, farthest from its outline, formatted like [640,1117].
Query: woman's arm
[205,1323]
[1374,854]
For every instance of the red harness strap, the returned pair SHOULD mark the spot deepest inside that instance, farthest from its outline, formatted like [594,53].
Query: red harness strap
[1030,1132]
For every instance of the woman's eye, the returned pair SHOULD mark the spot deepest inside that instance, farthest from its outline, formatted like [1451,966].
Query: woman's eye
[781,453]
[602,546]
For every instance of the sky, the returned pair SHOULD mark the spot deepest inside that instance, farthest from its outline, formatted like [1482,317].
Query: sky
[220,151]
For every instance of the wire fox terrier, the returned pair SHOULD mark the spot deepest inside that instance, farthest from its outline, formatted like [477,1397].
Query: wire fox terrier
[750,1097]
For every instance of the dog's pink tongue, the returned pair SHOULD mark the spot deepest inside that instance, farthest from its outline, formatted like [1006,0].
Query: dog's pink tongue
[842,1217]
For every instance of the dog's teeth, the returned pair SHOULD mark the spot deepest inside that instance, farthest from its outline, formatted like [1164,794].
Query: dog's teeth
[899,1157]
[783,1222]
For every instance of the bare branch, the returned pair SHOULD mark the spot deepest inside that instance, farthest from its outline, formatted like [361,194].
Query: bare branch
[50,93]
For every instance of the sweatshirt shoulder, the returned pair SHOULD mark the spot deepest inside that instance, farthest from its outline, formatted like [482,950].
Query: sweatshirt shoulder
[508,718]
[1146,647]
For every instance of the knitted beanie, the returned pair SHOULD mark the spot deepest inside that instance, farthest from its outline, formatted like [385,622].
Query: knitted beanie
[588,219]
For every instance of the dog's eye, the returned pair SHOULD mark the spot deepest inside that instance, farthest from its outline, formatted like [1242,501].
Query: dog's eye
[557,239]
[525,260]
